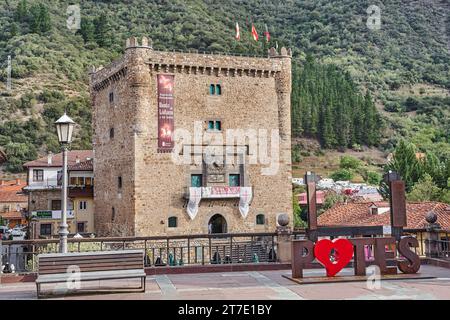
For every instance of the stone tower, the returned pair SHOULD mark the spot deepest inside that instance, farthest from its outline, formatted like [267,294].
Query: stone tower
[140,188]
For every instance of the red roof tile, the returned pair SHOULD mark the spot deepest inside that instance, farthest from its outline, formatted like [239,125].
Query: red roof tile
[11,191]
[16,215]
[82,166]
[359,214]
[73,157]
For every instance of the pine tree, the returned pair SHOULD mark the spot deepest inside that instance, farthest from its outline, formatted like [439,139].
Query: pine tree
[35,18]
[87,30]
[21,13]
[44,16]
[102,31]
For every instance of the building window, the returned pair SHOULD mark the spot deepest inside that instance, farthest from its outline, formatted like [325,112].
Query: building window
[119,182]
[215,89]
[46,229]
[56,204]
[173,222]
[113,214]
[81,227]
[111,133]
[212,89]
[82,205]
[38,175]
[111,97]
[88,181]
[196,180]
[214,125]
[234,180]
[260,219]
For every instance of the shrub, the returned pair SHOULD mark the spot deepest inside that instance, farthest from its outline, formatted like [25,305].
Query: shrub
[373,178]
[341,175]
[349,162]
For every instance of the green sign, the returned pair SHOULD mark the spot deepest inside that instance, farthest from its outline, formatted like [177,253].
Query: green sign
[43,214]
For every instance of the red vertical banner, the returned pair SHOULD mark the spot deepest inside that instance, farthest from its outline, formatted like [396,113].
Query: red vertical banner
[165,112]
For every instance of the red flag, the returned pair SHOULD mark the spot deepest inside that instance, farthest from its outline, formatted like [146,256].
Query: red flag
[238,33]
[254,33]
[267,34]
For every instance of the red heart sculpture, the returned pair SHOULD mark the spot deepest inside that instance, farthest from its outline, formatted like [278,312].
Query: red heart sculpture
[343,254]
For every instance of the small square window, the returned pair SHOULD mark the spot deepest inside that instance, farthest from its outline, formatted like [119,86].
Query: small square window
[210,125]
[173,223]
[234,180]
[111,133]
[260,219]
[196,180]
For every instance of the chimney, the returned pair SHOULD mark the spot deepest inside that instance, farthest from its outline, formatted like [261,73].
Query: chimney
[2,182]
[49,158]
[18,182]
[77,159]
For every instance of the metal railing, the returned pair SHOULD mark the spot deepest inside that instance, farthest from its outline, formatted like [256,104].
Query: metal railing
[199,249]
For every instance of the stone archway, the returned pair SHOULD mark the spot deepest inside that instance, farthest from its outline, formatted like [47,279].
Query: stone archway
[217,224]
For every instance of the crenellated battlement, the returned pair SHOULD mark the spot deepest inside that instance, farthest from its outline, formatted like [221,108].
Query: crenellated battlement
[221,65]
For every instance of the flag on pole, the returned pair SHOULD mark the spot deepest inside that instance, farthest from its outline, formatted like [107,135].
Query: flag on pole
[254,33]
[238,33]
[267,34]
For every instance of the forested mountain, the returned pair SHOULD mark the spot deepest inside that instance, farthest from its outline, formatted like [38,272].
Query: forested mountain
[349,57]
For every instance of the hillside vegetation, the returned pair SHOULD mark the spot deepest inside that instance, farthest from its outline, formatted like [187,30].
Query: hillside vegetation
[374,67]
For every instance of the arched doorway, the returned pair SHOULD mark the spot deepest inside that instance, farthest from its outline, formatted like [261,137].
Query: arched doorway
[217,224]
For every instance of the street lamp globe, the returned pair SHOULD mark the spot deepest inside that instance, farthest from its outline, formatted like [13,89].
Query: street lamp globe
[64,127]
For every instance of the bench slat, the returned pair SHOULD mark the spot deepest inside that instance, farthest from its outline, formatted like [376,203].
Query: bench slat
[92,268]
[89,276]
[90,261]
[91,257]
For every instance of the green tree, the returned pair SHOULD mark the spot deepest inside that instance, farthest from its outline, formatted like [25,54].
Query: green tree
[425,190]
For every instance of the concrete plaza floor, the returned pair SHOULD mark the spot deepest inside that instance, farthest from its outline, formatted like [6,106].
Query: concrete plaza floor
[265,285]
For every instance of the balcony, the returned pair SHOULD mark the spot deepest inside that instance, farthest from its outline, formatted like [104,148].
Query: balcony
[215,192]
[81,191]
[196,194]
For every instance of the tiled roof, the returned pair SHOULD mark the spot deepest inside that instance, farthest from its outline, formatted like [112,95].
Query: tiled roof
[11,215]
[359,214]
[11,191]
[73,157]
[87,165]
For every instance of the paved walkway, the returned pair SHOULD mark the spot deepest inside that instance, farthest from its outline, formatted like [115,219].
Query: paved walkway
[265,285]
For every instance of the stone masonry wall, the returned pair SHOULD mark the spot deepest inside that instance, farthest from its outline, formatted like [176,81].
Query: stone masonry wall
[255,95]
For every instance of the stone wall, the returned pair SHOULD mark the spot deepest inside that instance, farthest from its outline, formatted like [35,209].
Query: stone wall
[255,95]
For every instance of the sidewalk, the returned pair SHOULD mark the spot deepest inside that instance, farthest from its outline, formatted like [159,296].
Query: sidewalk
[265,285]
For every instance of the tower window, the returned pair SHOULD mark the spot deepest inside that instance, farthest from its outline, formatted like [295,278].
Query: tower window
[218,90]
[111,97]
[196,180]
[212,89]
[119,182]
[172,222]
[111,133]
[260,219]
[234,180]
[214,125]
[113,214]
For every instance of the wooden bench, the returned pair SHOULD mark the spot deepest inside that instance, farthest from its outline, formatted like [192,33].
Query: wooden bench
[104,265]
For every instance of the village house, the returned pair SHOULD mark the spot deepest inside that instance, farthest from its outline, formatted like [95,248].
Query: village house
[44,193]
[139,103]
[12,202]
[378,214]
